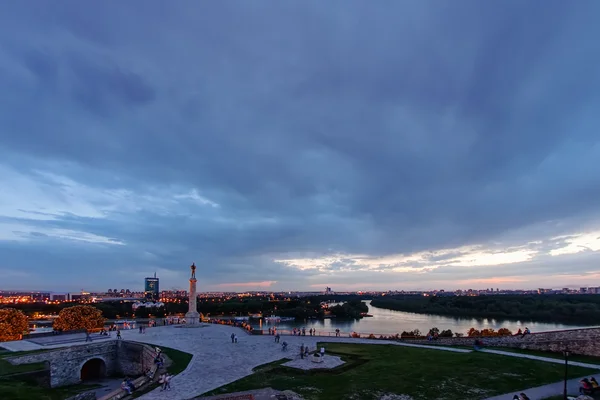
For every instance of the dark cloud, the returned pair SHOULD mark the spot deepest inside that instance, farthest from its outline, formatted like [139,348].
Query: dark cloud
[242,135]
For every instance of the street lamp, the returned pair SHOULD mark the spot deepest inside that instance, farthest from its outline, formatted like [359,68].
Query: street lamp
[566,354]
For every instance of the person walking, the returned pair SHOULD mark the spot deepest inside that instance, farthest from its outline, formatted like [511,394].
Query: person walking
[168,381]
[302,351]
[162,381]
[88,338]
[232,337]
[119,334]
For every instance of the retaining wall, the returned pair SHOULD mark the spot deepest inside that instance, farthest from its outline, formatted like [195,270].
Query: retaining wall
[120,357]
[578,341]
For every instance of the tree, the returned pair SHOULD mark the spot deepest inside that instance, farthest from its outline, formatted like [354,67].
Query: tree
[13,324]
[79,317]
[504,332]
[446,333]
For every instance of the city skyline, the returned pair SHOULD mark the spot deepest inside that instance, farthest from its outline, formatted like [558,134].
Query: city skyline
[411,146]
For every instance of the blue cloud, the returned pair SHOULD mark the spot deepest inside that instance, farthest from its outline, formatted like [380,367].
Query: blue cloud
[144,137]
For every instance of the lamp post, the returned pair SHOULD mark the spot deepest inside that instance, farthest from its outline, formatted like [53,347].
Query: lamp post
[566,354]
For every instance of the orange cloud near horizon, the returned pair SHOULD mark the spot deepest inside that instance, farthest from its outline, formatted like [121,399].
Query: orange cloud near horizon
[492,281]
[262,284]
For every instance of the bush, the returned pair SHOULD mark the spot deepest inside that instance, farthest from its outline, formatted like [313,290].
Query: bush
[504,332]
[13,324]
[355,335]
[371,336]
[79,317]
[473,332]
[446,333]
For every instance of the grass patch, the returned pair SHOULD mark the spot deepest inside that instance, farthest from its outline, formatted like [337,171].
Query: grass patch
[6,368]
[180,359]
[549,354]
[12,390]
[372,370]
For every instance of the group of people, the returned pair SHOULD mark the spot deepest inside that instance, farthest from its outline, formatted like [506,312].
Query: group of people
[302,332]
[523,333]
[165,381]
[244,325]
[588,386]
[127,385]
[106,332]
[304,352]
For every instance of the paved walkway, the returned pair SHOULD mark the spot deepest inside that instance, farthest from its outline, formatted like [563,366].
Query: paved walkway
[545,359]
[543,392]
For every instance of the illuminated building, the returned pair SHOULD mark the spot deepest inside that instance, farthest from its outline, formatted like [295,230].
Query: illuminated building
[151,291]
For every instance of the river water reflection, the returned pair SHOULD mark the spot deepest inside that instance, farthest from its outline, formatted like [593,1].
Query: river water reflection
[391,322]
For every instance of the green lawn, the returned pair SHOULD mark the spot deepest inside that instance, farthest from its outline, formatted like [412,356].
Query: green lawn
[180,359]
[549,354]
[7,368]
[373,370]
[13,390]
[539,353]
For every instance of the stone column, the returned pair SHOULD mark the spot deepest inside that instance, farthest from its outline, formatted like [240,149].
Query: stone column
[192,316]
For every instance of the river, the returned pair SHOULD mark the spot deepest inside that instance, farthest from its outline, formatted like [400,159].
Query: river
[388,322]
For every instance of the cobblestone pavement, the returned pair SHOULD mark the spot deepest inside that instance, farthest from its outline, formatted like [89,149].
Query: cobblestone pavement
[307,363]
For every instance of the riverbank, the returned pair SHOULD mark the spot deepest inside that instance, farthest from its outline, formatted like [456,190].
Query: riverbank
[565,309]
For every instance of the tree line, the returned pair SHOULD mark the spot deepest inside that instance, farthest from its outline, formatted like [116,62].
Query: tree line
[568,309]
[300,308]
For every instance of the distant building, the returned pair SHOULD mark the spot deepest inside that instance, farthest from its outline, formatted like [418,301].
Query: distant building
[151,291]
[60,297]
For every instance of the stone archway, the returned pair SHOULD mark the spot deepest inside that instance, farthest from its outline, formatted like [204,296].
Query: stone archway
[93,369]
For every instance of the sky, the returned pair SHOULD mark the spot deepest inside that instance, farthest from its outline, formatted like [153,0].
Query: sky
[294,145]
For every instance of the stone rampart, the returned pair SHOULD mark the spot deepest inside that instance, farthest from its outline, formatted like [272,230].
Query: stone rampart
[584,341]
[136,358]
[118,358]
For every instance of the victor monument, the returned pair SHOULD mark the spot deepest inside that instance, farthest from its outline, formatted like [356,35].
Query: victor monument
[192,316]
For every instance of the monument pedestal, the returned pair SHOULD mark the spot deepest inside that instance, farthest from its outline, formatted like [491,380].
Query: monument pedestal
[192,317]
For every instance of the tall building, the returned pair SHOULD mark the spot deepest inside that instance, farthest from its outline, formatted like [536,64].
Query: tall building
[151,288]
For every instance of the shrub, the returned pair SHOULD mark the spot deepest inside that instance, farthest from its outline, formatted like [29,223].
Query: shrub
[473,332]
[458,334]
[504,332]
[371,336]
[355,335]
[13,324]
[79,317]
[487,332]
[446,333]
